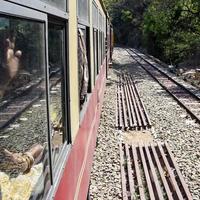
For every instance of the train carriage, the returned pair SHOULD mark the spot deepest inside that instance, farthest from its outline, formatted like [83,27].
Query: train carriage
[53,64]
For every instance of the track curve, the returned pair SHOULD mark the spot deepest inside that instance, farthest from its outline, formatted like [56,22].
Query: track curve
[184,96]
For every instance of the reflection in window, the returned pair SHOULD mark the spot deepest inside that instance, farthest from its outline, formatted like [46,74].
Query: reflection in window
[95,49]
[94,15]
[23,115]
[83,10]
[57,89]
[61,4]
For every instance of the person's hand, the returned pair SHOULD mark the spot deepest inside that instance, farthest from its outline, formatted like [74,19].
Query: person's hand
[12,58]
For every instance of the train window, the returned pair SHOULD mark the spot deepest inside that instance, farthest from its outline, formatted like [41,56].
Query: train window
[83,69]
[95,53]
[61,4]
[83,10]
[95,38]
[100,48]
[100,39]
[24,170]
[56,38]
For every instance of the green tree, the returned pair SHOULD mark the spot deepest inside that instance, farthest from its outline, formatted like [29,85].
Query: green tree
[171,29]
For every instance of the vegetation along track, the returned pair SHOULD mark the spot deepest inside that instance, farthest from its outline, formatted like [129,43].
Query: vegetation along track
[184,96]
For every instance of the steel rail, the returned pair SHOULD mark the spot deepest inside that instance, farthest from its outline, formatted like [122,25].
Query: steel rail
[183,104]
[169,77]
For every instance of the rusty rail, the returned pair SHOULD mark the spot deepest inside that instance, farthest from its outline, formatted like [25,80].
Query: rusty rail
[149,171]
[130,110]
[184,96]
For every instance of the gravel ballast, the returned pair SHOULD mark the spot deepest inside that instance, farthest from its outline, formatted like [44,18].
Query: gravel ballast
[170,122]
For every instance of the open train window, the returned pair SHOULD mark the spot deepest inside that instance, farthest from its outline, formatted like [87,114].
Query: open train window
[83,64]
[58,88]
[23,106]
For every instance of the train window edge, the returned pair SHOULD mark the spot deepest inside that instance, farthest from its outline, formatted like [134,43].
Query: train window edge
[22,44]
[12,9]
[84,66]
[59,93]
[84,109]
[59,173]
[42,6]
[18,44]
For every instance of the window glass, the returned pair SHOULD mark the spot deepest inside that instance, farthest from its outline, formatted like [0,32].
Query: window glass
[94,15]
[95,53]
[57,87]
[61,4]
[24,165]
[83,10]
[100,38]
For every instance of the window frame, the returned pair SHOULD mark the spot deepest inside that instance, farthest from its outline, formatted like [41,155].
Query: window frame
[43,7]
[82,21]
[64,154]
[10,9]
[95,15]
[29,10]
[87,40]
[95,53]
[100,38]
[13,10]
[67,138]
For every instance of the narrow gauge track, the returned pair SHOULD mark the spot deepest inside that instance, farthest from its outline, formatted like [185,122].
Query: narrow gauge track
[10,110]
[185,97]
[161,66]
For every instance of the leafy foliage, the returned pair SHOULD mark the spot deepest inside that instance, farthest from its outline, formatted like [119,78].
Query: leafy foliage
[168,29]
[172,27]
[127,17]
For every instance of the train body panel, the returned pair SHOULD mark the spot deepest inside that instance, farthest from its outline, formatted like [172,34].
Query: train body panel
[75,180]
[73,67]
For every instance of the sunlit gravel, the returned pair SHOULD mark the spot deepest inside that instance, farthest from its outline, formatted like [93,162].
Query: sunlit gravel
[170,122]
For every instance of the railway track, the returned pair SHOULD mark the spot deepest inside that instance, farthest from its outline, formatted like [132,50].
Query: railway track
[161,66]
[10,110]
[186,97]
